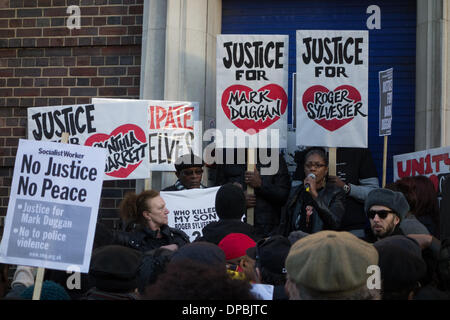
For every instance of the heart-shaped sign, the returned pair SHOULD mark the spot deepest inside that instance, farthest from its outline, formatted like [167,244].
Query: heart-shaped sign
[328,118]
[125,147]
[252,111]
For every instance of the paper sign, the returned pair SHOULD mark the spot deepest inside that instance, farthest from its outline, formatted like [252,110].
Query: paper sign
[433,163]
[332,88]
[385,79]
[174,130]
[191,210]
[252,86]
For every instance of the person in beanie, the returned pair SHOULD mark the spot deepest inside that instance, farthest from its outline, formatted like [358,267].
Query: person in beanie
[114,272]
[189,171]
[330,265]
[230,207]
[385,209]
[402,267]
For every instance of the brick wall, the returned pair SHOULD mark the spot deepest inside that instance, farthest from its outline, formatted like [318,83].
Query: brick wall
[44,63]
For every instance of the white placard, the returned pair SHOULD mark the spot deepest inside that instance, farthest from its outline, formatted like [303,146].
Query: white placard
[174,130]
[252,86]
[53,206]
[332,88]
[191,210]
[433,163]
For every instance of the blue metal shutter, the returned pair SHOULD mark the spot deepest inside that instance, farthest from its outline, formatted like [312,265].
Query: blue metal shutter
[394,45]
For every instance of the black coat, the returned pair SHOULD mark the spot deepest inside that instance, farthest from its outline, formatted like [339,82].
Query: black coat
[371,238]
[270,198]
[142,239]
[329,207]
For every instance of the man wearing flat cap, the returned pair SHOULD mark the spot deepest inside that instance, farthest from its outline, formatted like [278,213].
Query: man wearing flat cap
[331,265]
[385,209]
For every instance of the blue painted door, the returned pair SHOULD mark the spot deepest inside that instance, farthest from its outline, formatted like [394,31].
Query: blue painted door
[391,46]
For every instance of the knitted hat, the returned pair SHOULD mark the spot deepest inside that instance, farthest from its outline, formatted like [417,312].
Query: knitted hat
[188,160]
[50,291]
[394,200]
[400,262]
[200,251]
[331,262]
[115,268]
[230,202]
[271,253]
[235,245]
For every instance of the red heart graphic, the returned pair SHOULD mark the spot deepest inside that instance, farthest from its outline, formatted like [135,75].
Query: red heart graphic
[139,134]
[252,126]
[334,124]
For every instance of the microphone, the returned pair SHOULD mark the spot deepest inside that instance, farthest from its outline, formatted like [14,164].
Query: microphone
[312,175]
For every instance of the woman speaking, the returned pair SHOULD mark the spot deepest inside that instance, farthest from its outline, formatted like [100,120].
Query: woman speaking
[314,205]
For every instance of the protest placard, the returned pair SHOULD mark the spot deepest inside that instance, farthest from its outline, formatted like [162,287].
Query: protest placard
[332,84]
[252,85]
[53,205]
[385,79]
[121,128]
[191,210]
[174,130]
[433,163]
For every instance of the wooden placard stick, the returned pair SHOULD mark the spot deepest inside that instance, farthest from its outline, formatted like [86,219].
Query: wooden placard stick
[148,182]
[383,181]
[38,284]
[251,167]
[332,161]
[40,271]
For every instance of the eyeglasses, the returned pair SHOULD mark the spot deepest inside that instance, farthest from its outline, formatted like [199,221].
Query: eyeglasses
[189,173]
[316,165]
[382,214]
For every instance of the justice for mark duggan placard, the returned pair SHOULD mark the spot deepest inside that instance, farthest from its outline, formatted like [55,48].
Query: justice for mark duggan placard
[53,206]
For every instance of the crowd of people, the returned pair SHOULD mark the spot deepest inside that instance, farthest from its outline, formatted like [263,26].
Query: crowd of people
[314,236]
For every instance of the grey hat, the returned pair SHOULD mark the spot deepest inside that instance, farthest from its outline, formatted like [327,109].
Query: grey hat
[396,201]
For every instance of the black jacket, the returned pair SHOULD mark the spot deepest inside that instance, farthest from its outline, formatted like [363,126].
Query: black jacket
[270,198]
[329,207]
[142,239]
[215,231]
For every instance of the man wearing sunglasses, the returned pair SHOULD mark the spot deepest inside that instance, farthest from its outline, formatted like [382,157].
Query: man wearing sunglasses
[385,209]
[189,171]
